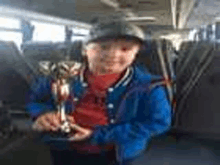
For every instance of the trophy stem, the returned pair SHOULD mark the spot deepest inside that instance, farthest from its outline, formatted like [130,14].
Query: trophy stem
[64,123]
[62,111]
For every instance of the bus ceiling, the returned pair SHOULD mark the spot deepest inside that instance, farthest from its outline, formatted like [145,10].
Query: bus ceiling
[160,17]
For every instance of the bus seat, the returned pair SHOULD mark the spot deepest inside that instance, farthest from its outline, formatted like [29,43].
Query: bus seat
[188,59]
[43,51]
[187,47]
[149,58]
[14,74]
[76,51]
[198,107]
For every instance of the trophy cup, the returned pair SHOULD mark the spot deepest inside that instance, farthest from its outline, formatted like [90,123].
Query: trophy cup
[61,72]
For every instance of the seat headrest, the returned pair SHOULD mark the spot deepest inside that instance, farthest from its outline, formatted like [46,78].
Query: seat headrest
[148,56]
[76,51]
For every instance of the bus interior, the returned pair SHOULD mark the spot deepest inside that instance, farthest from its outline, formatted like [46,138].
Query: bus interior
[181,45]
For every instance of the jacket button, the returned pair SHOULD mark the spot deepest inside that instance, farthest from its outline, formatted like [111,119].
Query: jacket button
[75,99]
[84,84]
[110,89]
[112,121]
[110,106]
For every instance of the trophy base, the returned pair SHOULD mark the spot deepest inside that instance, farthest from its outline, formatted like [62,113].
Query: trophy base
[62,136]
[65,127]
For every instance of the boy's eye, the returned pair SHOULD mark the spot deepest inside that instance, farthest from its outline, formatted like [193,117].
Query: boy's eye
[124,49]
[104,47]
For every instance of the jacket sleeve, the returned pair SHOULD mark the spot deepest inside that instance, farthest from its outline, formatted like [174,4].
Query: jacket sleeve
[39,98]
[153,118]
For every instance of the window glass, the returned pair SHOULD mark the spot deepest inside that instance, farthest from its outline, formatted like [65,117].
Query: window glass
[48,32]
[6,22]
[10,23]
[77,38]
[11,36]
[80,31]
[192,34]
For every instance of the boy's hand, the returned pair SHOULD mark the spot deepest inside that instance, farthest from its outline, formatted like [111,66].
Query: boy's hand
[82,134]
[50,122]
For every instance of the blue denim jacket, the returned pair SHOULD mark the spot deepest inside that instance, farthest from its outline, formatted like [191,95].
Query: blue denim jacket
[136,112]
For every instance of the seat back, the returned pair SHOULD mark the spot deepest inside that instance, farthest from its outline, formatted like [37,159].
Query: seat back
[14,74]
[149,57]
[76,51]
[198,91]
[35,52]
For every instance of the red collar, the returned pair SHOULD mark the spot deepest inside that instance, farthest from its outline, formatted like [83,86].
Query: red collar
[102,82]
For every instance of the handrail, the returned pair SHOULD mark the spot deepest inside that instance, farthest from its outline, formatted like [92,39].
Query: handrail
[165,74]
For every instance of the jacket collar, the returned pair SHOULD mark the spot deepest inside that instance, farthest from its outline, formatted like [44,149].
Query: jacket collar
[123,81]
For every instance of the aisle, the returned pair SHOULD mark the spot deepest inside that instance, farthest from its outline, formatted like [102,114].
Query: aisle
[182,153]
[28,153]
[164,152]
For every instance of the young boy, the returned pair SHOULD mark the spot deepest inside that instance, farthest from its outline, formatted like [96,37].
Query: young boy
[113,109]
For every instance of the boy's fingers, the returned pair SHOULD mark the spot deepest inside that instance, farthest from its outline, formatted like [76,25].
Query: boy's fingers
[45,124]
[80,129]
[38,127]
[78,137]
[56,120]
[70,118]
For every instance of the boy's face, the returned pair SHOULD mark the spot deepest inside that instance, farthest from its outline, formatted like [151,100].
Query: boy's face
[112,56]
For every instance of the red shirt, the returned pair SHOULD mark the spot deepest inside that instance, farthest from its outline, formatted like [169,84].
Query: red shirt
[91,110]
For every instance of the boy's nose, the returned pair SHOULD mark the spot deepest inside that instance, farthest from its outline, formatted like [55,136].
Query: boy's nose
[108,56]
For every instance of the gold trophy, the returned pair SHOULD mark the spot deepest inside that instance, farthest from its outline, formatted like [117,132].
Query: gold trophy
[61,72]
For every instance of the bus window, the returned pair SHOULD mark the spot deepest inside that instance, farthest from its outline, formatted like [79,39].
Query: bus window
[80,31]
[12,35]
[6,22]
[78,34]
[48,32]
[192,34]
[75,38]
